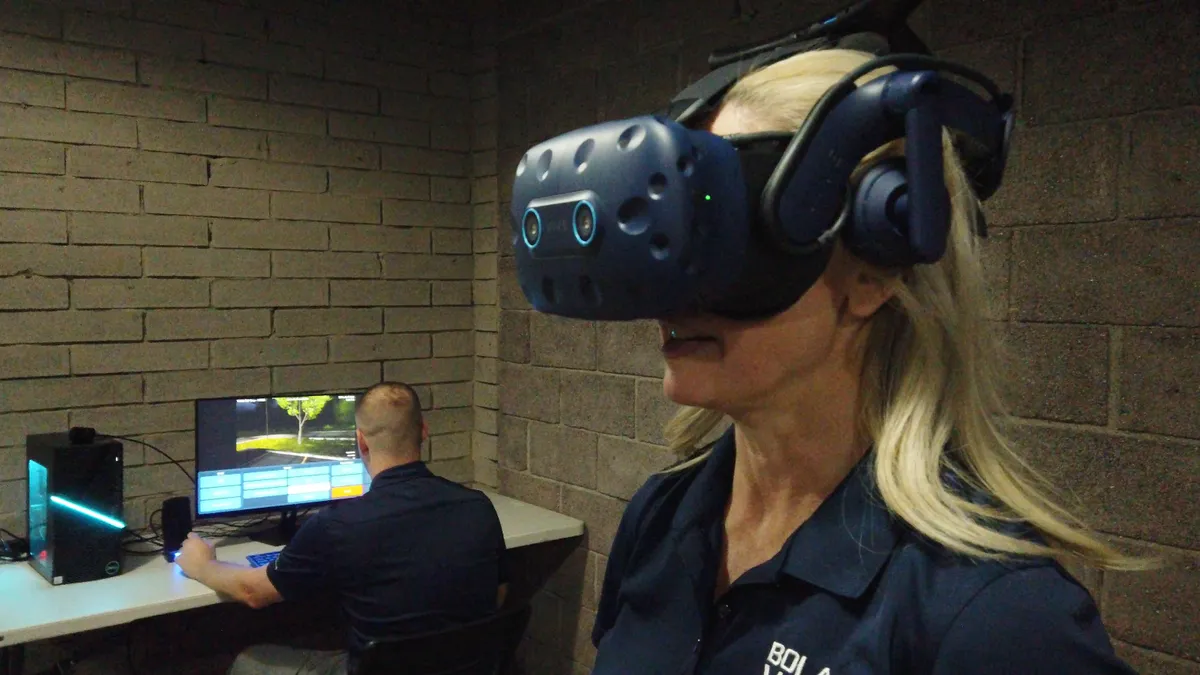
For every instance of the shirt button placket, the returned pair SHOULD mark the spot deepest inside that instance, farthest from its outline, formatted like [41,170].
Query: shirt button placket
[723,612]
[692,664]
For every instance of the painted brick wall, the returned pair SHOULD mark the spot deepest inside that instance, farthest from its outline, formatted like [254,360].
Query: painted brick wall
[212,199]
[1092,257]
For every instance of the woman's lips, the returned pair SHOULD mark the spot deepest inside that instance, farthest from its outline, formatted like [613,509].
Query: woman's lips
[675,347]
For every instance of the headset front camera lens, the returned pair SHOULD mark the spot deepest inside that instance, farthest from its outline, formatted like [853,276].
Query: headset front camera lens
[585,222]
[533,228]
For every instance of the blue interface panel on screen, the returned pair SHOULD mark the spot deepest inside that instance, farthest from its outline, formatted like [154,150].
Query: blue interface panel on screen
[274,453]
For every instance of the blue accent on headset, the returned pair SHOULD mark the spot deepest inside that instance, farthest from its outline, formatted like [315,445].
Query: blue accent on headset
[575,222]
[83,510]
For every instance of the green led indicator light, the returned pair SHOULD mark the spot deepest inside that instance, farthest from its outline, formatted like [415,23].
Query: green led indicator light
[708,198]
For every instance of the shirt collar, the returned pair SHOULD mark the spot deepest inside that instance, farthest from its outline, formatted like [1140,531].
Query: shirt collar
[840,548]
[401,473]
[846,542]
[708,492]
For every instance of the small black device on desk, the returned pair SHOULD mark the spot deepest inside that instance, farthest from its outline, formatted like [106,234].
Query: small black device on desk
[176,523]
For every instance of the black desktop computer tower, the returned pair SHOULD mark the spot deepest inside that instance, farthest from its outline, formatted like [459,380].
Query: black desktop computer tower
[76,505]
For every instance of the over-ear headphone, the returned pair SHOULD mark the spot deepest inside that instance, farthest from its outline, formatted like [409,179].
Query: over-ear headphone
[899,212]
[878,226]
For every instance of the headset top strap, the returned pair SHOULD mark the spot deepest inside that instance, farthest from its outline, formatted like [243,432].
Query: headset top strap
[875,26]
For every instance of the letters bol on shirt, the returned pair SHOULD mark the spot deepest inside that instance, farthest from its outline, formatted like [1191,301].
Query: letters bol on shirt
[783,660]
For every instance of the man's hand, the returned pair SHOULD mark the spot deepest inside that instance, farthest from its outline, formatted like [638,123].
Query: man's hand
[249,586]
[194,555]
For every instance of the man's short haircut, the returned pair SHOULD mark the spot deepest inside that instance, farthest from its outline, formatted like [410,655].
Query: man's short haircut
[389,415]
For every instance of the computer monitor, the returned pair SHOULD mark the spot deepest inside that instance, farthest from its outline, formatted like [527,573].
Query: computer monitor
[276,453]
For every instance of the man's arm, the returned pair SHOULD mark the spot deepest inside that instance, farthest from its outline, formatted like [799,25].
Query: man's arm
[247,585]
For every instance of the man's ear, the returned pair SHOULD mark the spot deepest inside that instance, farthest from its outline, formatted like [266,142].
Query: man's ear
[424,431]
[362,442]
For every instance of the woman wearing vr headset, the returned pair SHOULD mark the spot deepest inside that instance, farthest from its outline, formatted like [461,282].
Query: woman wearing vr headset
[865,513]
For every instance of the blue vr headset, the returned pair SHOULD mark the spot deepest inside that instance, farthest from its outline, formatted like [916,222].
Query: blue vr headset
[646,217]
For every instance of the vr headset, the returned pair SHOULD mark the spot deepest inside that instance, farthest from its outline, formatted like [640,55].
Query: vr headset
[647,217]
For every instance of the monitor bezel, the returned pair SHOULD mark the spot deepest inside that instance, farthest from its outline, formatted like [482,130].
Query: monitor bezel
[228,515]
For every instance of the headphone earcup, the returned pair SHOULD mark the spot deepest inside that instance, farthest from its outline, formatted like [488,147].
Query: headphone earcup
[878,227]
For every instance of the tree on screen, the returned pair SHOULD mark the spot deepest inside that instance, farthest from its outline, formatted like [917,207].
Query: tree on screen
[303,409]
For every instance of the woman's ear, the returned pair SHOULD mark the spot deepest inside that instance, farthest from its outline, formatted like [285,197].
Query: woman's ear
[864,288]
[868,290]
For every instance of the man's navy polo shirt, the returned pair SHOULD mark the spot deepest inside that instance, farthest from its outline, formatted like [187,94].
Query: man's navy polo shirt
[852,592]
[415,553]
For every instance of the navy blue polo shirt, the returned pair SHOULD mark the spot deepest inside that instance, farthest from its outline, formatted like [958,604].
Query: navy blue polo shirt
[852,592]
[415,553]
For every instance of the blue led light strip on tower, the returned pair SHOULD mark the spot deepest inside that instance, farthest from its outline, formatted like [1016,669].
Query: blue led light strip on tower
[112,522]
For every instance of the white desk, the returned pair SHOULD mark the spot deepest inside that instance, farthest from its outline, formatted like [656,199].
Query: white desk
[32,609]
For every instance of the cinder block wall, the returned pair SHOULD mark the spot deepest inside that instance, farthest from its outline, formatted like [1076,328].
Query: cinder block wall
[214,199]
[1092,256]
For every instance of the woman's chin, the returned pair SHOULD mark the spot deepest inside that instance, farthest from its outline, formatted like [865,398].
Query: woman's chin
[684,387]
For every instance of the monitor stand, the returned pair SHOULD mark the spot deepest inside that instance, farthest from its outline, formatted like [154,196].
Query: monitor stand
[282,534]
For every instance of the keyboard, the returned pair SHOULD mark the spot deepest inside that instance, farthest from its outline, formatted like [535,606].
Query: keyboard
[260,559]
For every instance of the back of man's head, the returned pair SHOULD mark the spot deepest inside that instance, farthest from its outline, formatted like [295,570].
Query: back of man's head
[389,417]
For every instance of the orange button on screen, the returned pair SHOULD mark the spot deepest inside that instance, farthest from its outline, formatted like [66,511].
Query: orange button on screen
[347,491]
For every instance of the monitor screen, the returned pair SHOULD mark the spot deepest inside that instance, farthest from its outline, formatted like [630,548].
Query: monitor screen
[274,453]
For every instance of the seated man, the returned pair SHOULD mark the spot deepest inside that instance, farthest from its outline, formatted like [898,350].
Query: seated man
[415,553]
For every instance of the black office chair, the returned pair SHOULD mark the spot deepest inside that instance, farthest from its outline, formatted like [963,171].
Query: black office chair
[484,647]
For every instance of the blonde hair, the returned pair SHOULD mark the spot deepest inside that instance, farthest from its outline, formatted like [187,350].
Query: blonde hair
[931,399]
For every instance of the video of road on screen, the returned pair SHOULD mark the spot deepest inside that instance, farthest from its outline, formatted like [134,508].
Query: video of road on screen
[295,430]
